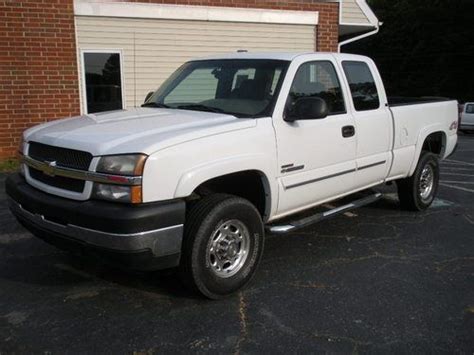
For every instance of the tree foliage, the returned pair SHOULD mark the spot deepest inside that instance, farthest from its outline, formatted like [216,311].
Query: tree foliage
[424,47]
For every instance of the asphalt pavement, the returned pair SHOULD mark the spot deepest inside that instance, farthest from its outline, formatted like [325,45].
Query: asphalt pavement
[378,280]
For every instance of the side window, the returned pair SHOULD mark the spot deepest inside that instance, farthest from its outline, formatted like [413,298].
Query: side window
[469,108]
[200,85]
[318,79]
[362,84]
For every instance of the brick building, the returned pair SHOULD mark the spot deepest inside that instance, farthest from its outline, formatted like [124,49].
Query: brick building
[60,58]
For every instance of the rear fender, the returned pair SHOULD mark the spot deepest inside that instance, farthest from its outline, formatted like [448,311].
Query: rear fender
[424,133]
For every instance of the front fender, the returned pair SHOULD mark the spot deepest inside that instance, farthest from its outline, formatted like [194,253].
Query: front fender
[176,171]
[198,175]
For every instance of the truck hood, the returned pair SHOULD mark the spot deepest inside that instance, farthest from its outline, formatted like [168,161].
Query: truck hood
[140,130]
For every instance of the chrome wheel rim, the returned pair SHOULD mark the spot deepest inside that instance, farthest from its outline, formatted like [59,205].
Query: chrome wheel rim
[426,182]
[228,248]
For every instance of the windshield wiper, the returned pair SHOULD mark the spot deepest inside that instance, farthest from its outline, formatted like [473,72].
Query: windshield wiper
[155,104]
[199,107]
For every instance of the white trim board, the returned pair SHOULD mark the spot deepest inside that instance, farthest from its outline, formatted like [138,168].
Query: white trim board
[190,12]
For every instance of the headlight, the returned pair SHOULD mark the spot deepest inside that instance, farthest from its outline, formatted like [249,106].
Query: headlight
[131,165]
[127,165]
[118,193]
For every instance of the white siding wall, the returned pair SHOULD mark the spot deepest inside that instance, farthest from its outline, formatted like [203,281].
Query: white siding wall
[352,13]
[153,49]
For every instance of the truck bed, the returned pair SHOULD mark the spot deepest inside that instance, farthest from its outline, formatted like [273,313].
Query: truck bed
[394,101]
[411,119]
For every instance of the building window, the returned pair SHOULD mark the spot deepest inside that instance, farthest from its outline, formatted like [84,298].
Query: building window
[102,77]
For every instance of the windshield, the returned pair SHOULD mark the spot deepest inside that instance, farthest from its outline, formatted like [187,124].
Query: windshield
[240,87]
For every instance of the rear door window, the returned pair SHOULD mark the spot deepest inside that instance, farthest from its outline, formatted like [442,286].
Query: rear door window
[362,84]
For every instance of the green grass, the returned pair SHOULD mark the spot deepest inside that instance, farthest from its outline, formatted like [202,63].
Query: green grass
[9,165]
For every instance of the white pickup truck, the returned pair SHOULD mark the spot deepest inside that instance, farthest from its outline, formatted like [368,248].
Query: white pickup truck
[467,118]
[226,146]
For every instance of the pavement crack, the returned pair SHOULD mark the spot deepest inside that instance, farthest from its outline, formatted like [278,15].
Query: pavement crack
[442,265]
[277,322]
[243,324]
[366,257]
[309,285]
[356,343]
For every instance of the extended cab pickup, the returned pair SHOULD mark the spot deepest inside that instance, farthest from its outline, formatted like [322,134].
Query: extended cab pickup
[226,146]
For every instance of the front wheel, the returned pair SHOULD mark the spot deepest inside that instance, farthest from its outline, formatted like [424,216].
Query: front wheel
[417,192]
[223,244]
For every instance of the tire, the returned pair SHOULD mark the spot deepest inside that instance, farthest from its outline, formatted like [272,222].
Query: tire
[222,246]
[416,194]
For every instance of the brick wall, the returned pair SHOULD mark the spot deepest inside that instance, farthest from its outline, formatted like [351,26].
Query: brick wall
[38,63]
[38,66]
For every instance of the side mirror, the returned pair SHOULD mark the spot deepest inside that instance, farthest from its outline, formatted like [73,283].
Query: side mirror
[307,108]
[148,95]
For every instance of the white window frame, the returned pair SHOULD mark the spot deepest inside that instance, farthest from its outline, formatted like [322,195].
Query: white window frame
[83,75]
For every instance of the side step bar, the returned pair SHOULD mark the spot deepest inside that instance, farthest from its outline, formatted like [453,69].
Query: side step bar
[304,222]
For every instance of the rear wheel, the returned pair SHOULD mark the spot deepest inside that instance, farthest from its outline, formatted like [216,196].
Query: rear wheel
[223,244]
[417,192]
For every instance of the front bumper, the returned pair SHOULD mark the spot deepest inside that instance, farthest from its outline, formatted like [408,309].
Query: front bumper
[140,237]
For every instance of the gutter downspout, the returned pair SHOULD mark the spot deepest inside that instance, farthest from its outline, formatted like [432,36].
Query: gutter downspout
[357,38]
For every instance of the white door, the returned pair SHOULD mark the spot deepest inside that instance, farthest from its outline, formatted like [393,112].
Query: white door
[316,157]
[373,124]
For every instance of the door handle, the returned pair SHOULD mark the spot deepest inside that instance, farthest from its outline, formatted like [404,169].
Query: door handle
[348,131]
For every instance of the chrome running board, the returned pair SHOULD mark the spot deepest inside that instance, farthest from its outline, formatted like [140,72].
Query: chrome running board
[317,217]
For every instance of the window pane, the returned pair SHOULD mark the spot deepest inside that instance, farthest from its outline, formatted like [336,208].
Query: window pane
[241,75]
[362,84]
[199,86]
[470,109]
[318,79]
[241,87]
[103,82]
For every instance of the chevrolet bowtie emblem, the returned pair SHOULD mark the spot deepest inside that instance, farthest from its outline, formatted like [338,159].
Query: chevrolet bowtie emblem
[50,168]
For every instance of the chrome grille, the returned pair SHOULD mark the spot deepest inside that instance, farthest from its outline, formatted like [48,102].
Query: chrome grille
[69,158]
[64,157]
[59,182]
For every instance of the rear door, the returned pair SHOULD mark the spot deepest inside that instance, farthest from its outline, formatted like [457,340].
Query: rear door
[316,158]
[373,122]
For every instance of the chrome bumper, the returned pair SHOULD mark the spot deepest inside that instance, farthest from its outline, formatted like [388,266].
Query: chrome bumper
[161,242]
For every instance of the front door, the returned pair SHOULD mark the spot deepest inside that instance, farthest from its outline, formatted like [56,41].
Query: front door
[316,157]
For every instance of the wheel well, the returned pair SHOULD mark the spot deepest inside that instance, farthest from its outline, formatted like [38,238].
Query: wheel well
[250,184]
[435,143]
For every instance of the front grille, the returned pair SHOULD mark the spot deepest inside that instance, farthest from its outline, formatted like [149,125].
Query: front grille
[68,158]
[64,157]
[58,181]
